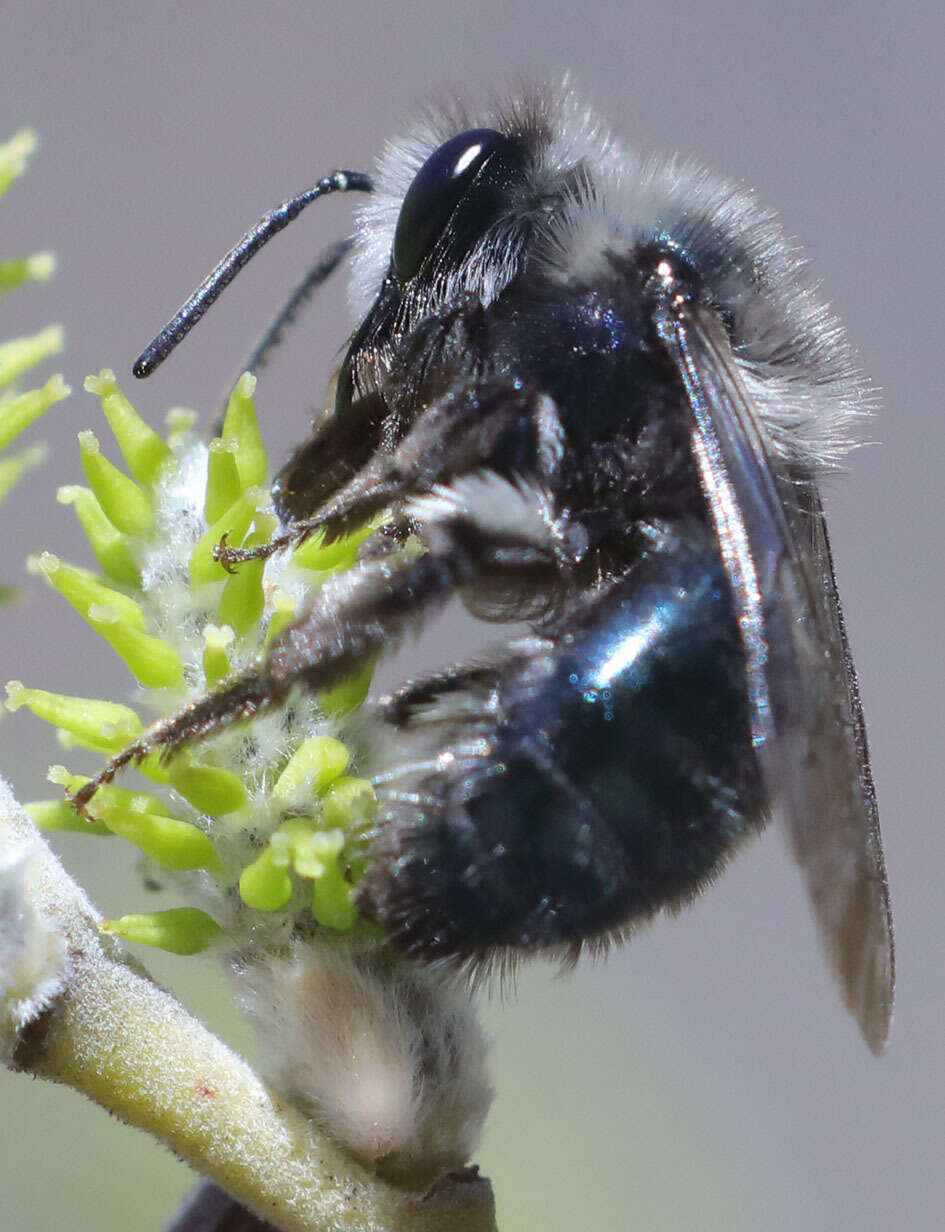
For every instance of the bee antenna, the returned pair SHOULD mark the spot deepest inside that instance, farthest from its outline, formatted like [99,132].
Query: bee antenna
[214,284]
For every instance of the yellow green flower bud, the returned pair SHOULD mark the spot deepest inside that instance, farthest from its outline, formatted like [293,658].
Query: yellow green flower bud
[107,726]
[60,815]
[243,601]
[331,894]
[108,793]
[241,425]
[19,355]
[145,453]
[178,421]
[14,155]
[69,740]
[18,413]
[332,903]
[153,768]
[234,524]
[40,267]
[210,789]
[348,695]
[118,619]
[315,553]
[317,762]
[307,849]
[81,589]
[14,467]
[181,930]
[126,506]
[265,885]
[107,542]
[152,661]
[169,841]
[283,613]
[223,479]
[216,663]
[349,805]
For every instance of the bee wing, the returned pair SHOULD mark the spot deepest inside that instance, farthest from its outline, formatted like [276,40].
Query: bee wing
[807,723]
[865,966]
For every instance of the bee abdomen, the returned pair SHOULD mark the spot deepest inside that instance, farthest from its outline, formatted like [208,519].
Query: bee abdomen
[614,775]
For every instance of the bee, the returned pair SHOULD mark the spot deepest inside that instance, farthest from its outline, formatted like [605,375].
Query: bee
[601,391]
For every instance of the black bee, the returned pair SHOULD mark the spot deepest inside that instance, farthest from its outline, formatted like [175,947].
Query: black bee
[601,392]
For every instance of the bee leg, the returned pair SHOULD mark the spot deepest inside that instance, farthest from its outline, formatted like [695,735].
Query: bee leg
[340,445]
[421,701]
[360,615]
[494,426]
[591,777]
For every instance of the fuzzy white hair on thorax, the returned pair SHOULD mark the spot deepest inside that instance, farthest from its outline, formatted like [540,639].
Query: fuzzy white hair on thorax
[792,352]
[386,1056]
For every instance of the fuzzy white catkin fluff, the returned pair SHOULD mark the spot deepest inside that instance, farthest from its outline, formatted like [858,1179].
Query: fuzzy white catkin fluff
[386,1055]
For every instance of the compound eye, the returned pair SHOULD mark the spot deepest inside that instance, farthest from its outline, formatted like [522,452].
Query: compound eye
[478,157]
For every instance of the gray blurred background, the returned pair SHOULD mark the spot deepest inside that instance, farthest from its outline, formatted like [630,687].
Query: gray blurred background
[706,1077]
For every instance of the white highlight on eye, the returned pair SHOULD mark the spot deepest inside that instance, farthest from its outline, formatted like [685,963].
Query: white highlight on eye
[466,158]
[630,648]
